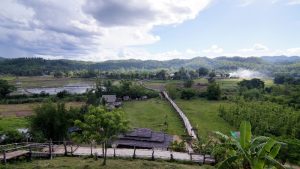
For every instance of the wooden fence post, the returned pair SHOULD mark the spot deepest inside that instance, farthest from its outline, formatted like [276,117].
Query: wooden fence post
[171,154]
[30,154]
[134,152]
[152,153]
[114,152]
[65,146]
[91,149]
[4,157]
[50,149]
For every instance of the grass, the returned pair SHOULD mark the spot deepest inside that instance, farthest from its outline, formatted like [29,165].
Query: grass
[11,123]
[203,114]
[21,110]
[151,114]
[81,163]
[44,81]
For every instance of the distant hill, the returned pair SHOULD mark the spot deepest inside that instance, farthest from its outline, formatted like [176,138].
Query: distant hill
[39,66]
[281,59]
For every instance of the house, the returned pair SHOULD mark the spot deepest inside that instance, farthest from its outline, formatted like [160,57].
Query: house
[109,98]
[143,138]
[111,101]
[126,98]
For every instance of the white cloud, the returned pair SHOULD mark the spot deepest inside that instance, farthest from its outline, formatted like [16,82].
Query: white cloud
[92,29]
[215,49]
[294,2]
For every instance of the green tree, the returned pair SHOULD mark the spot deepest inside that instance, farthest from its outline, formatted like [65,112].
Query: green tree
[51,121]
[252,84]
[188,83]
[5,88]
[101,126]
[188,93]
[248,152]
[213,91]
[203,71]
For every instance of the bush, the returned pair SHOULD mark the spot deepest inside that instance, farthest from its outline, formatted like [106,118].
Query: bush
[188,94]
[213,91]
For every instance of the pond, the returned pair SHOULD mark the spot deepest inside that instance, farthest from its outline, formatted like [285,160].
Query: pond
[75,88]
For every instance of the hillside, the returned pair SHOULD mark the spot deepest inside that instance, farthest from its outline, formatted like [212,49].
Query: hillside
[39,66]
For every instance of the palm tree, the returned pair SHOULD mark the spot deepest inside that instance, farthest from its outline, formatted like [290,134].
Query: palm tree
[251,153]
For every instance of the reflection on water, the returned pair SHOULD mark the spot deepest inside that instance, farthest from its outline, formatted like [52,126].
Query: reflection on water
[71,88]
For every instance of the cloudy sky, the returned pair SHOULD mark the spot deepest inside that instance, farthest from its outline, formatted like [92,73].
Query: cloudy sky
[98,30]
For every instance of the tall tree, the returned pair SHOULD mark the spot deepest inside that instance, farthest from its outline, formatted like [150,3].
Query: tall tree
[102,126]
[5,88]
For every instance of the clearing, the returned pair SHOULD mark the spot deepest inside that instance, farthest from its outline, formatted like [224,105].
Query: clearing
[152,114]
[21,110]
[203,114]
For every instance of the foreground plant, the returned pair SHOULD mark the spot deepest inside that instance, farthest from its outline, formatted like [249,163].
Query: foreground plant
[248,152]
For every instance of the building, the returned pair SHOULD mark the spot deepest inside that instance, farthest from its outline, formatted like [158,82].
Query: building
[126,98]
[143,138]
[111,101]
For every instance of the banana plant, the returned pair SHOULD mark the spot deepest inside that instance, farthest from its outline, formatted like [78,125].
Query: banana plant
[253,153]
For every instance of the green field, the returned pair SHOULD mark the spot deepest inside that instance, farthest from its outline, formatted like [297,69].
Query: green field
[10,123]
[44,81]
[151,114]
[203,114]
[81,163]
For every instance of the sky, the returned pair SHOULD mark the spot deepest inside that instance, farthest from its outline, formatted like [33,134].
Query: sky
[98,30]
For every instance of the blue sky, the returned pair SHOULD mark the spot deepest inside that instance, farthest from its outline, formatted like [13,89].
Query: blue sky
[233,26]
[98,30]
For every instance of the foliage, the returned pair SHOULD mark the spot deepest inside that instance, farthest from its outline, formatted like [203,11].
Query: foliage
[264,117]
[52,121]
[188,83]
[127,68]
[213,91]
[101,126]
[267,118]
[203,71]
[187,94]
[286,79]
[5,88]
[172,90]
[178,146]
[248,152]
[252,84]
[12,136]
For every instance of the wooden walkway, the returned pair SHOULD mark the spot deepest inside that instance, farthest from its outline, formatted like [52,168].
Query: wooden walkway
[14,154]
[61,150]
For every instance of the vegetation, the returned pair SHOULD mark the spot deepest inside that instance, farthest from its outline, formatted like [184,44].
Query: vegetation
[203,115]
[213,91]
[39,66]
[5,88]
[246,151]
[269,119]
[152,114]
[89,163]
[12,123]
[52,121]
[101,126]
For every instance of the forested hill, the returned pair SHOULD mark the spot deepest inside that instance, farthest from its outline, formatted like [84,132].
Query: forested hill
[39,66]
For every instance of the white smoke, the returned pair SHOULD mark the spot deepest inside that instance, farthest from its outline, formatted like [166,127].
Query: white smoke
[246,74]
